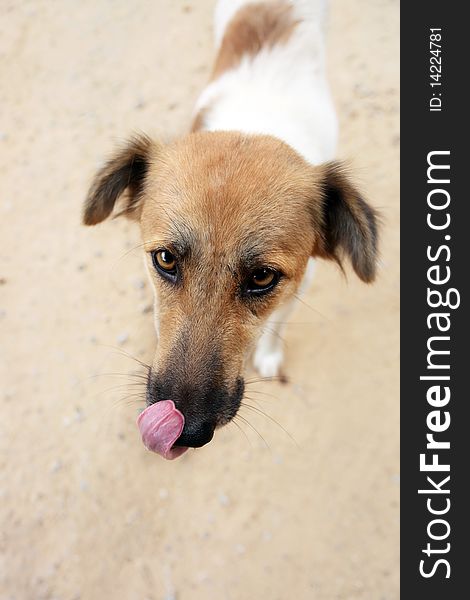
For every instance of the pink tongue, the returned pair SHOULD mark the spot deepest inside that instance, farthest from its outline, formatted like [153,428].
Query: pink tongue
[160,425]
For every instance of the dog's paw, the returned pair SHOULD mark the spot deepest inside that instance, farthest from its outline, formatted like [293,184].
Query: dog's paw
[268,362]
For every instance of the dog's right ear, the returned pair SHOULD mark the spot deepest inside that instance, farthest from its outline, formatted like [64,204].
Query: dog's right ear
[125,171]
[349,225]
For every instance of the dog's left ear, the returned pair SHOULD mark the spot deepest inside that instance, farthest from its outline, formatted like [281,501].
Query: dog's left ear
[124,172]
[348,224]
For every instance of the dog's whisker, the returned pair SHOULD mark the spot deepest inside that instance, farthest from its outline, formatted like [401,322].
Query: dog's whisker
[263,394]
[302,301]
[133,249]
[125,403]
[142,378]
[138,399]
[239,416]
[124,254]
[138,247]
[242,431]
[286,323]
[125,386]
[261,412]
[271,331]
[264,379]
[119,389]
[122,352]
[130,400]
[122,257]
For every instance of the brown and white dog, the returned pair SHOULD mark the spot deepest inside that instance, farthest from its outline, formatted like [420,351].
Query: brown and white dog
[233,214]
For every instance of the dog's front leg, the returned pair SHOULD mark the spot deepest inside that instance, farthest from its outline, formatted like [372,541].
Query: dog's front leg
[269,352]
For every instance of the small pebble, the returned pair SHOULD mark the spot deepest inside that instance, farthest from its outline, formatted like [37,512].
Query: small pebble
[79,416]
[363,91]
[138,283]
[122,338]
[56,466]
[224,500]
[146,308]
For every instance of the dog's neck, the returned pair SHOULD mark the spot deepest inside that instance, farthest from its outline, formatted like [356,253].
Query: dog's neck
[279,88]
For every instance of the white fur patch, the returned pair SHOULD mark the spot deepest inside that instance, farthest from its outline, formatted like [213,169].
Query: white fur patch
[281,91]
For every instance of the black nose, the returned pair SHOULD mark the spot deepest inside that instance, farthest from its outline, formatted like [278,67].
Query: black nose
[196,435]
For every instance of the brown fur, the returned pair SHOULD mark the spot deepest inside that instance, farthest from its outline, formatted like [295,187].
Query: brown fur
[126,171]
[254,27]
[225,203]
[228,210]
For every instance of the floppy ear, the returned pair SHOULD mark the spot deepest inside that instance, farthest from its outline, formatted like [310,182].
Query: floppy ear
[349,225]
[126,171]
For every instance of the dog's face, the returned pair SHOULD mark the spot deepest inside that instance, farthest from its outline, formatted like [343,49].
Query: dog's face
[228,223]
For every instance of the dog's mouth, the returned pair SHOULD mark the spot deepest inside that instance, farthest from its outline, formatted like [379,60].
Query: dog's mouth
[160,425]
[169,432]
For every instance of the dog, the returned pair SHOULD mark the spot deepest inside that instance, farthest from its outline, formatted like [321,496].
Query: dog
[234,214]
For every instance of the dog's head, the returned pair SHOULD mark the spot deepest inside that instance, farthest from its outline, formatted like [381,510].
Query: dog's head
[228,222]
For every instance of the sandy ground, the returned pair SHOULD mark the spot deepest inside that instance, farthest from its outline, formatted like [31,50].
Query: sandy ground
[86,512]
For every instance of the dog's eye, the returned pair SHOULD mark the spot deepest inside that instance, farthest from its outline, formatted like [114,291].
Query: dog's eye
[164,262]
[262,280]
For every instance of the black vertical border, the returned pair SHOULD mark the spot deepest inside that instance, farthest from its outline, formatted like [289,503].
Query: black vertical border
[423,131]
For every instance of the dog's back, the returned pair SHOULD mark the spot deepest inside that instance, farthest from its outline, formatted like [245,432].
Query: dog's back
[269,75]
